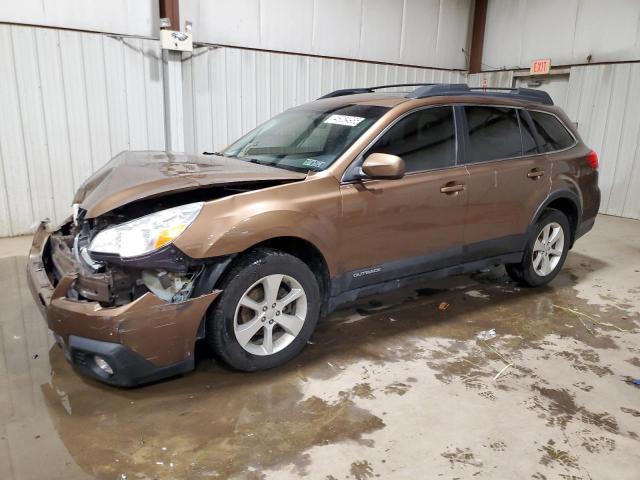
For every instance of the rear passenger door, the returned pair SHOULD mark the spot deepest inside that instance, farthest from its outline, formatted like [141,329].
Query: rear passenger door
[508,180]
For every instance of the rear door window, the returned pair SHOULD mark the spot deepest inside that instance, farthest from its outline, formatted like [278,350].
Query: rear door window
[493,133]
[550,133]
[425,140]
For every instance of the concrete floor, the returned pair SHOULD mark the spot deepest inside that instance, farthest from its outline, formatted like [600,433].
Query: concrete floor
[403,392]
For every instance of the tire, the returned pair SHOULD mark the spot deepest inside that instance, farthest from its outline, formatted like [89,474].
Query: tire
[252,280]
[533,270]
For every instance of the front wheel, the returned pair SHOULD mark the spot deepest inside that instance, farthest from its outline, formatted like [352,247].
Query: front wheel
[546,251]
[267,311]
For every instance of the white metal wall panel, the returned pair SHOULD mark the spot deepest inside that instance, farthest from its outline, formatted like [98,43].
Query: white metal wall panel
[70,101]
[229,91]
[602,99]
[502,79]
[430,33]
[568,32]
[113,16]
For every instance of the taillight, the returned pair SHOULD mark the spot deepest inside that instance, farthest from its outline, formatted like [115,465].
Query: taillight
[592,159]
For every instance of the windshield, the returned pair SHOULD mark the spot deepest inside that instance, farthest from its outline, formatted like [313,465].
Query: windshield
[305,140]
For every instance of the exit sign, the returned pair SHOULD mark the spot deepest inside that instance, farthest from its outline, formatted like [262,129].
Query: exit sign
[540,67]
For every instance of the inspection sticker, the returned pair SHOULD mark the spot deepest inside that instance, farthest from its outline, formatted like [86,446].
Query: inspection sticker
[346,120]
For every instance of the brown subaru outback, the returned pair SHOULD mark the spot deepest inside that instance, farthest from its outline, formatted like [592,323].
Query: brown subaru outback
[359,192]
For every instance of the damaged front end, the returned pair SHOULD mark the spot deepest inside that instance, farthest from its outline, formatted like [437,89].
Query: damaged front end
[122,320]
[114,280]
[125,304]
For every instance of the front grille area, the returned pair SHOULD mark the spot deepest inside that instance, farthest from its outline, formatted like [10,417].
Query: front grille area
[80,357]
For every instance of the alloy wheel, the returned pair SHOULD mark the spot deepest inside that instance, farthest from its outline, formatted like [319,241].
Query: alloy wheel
[270,314]
[547,249]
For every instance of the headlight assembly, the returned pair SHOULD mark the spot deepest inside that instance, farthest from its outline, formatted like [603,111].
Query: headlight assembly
[145,234]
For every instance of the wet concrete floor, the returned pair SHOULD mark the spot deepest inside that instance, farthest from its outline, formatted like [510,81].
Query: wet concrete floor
[400,388]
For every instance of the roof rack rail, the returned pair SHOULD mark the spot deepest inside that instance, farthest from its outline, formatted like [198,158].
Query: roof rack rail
[425,90]
[351,91]
[448,89]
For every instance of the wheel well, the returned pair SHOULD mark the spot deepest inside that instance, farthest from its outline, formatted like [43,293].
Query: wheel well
[570,209]
[305,251]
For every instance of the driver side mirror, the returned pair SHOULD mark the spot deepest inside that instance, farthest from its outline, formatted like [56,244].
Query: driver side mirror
[383,166]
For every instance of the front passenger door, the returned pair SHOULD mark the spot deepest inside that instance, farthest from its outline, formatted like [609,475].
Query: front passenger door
[395,228]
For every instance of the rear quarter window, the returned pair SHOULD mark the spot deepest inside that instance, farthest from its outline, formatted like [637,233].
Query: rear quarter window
[550,133]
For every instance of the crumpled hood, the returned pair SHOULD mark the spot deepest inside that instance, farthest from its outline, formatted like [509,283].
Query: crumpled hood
[132,176]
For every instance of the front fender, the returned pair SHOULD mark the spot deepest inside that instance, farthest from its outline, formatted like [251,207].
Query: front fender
[309,210]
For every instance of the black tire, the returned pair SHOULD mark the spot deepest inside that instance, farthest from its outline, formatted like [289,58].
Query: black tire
[524,272]
[245,272]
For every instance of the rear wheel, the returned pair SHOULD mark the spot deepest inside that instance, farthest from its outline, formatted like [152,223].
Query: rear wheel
[267,311]
[546,251]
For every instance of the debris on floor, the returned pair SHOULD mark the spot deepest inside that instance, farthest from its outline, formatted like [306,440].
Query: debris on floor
[443,306]
[593,321]
[486,334]
[504,369]
[476,294]
[632,381]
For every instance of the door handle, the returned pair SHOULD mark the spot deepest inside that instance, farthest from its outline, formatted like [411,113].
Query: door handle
[452,188]
[535,173]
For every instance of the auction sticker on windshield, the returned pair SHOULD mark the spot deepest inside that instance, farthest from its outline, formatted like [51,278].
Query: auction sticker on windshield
[346,120]
[310,162]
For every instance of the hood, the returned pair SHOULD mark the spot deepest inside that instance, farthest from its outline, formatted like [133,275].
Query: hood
[132,176]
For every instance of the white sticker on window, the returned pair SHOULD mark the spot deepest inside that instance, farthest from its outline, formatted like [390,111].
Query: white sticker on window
[346,120]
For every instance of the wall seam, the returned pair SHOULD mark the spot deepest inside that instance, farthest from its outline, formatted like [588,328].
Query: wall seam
[86,104]
[624,115]
[66,111]
[44,123]
[106,93]
[24,140]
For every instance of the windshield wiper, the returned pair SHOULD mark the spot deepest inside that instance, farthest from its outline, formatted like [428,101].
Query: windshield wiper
[291,168]
[282,151]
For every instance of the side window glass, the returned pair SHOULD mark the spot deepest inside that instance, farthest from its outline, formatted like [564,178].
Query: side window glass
[494,133]
[529,146]
[550,132]
[425,140]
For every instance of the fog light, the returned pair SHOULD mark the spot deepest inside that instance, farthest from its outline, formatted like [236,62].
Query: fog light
[103,365]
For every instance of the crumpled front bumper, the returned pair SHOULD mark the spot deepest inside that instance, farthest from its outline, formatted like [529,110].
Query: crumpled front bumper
[142,341]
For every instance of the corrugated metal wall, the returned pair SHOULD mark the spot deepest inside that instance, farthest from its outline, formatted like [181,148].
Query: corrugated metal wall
[492,79]
[229,91]
[428,33]
[568,32]
[126,17]
[69,101]
[603,99]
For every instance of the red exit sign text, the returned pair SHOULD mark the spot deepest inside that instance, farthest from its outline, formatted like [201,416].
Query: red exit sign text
[540,67]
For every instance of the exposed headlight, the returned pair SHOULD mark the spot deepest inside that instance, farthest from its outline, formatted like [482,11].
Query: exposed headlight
[146,234]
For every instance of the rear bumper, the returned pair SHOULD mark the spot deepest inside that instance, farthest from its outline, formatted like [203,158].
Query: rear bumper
[146,340]
[584,227]
[589,213]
